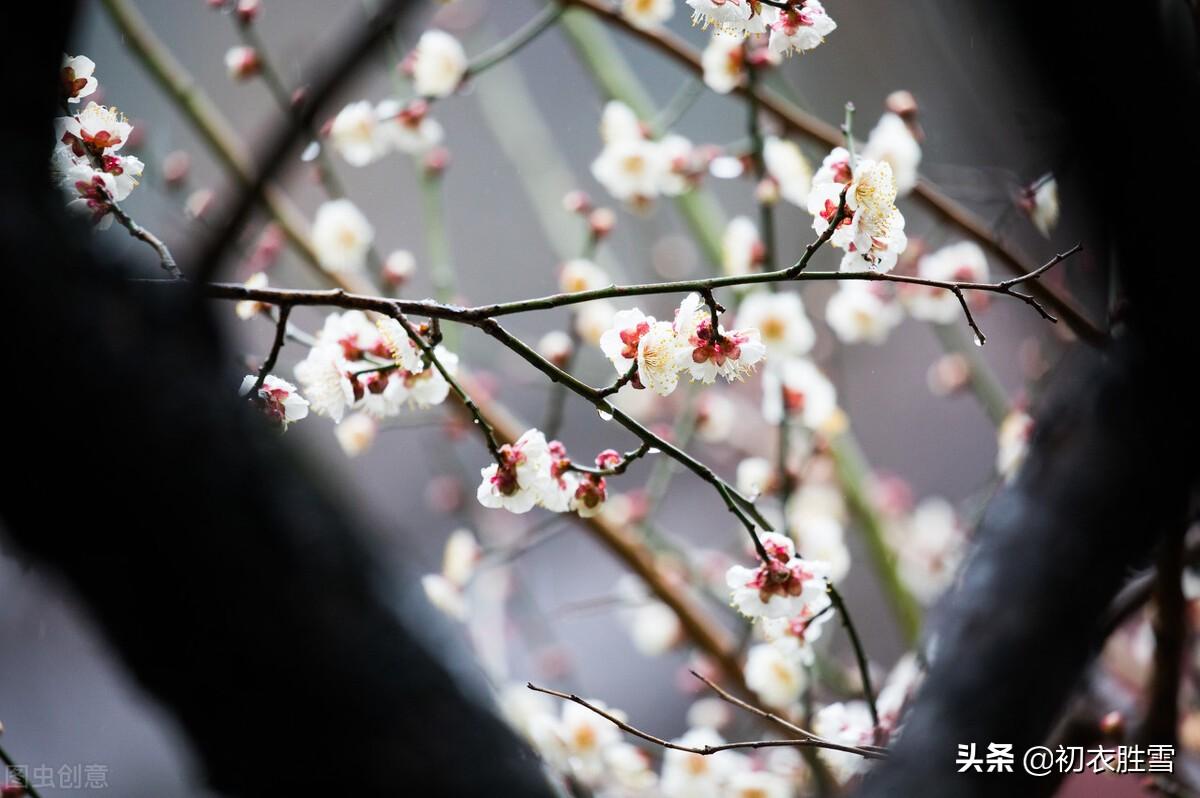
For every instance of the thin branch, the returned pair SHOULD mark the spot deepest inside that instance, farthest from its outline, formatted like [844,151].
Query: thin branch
[810,741]
[860,654]
[17,774]
[621,381]
[627,459]
[281,328]
[510,46]
[142,234]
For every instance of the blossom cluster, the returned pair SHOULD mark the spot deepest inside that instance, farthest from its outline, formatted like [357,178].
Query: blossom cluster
[800,27]
[533,472]
[636,168]
[661,350]
[373,368]
[87,160]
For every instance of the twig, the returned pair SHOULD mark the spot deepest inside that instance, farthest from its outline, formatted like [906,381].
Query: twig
[142,234]
[281,327]
[621,466]
[810,741]
[860,655]
[15,770]
[523,36]
[621,381]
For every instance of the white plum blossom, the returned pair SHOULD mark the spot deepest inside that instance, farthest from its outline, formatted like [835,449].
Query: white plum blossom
[647,14]
[249,308]
[732,17]
[775,677]
[929,548]
[78,78]
[781,321]
[1040,201]
[585,736]
[1013,442]
[795,635]
[758,784]
[324,376]
[710,352]
[90,192]
[961,262]
[858,312]
[653,345]
[849,724]
[460,557]
[341,236]
[710,712]
[788,167]
[96,130]
[420,388]
[628,771]
[754,475]
[892,140]
[717,416]
[581,274]
[799,28]
[742,248]
[592,319]
[872,231]
[445,596]
[654,628]
[796,388]
[823,538]
[518,484]
[724,62]
[408,128]
[438,64]
[689,775]
[356,433]
[399,345]
[901,684]
[636,169]
[785,587]
[358,135]
[279,399]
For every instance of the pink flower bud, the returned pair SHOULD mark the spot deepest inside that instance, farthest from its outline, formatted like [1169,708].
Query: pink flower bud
[248,10]
[242,62]
[437,160]
[175,167]
[602,221]
[577,201]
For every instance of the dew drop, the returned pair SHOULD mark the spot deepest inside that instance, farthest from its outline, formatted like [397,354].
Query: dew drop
[311,151]
[654,450]
[604,415]
[978,341]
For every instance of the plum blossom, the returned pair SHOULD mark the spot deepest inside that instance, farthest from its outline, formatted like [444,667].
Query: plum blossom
[418,388]
[636,169]
[653,626]
[892,141]
[278,398]
[849,724]
[688,775]
[78,80]
[754,476]
[872,232]
[795,635]
[758,784]
[860,312]
[961,262]
[522,479]
[438,64]
[582,738]
[1040,202]
[581,274]
[592,319]
[799,28]
[96,130]
[324,376]
[647,14]
[724,62]
[356,433]
[357,135]
[776,678]
[823,538]
[929,547]
[408,128]
[731,354]
[628,771]
[732,17]
[1013,442]
[790,170]
[653,345]
[341,236]
[91,192]
[781,321]
[796,388]
[786,586]
[742,249]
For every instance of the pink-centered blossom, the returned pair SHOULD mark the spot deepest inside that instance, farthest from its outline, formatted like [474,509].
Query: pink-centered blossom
[784,586]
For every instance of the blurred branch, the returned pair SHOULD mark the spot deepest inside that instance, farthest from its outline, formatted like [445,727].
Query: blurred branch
[1161,723]
[17,773]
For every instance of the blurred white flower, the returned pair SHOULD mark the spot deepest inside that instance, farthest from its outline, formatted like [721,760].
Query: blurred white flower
[776,678]
[723,61]
[858,313]
[647,14]
[780,319]
[1013,442]
[741,247]
[438,64]
[892,141]
[797,389]
[356,433]
[341,236]
[582,274]
[961,262]
[790,169]
[849,724]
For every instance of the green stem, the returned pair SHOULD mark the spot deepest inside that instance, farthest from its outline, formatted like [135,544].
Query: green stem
[983,381]
[852,471]
[509,47]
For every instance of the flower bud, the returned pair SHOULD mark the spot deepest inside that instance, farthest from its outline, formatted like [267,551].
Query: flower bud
[602,221]
[557,347]
[577,201]
[399,267]
[248,10]
[242,63]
